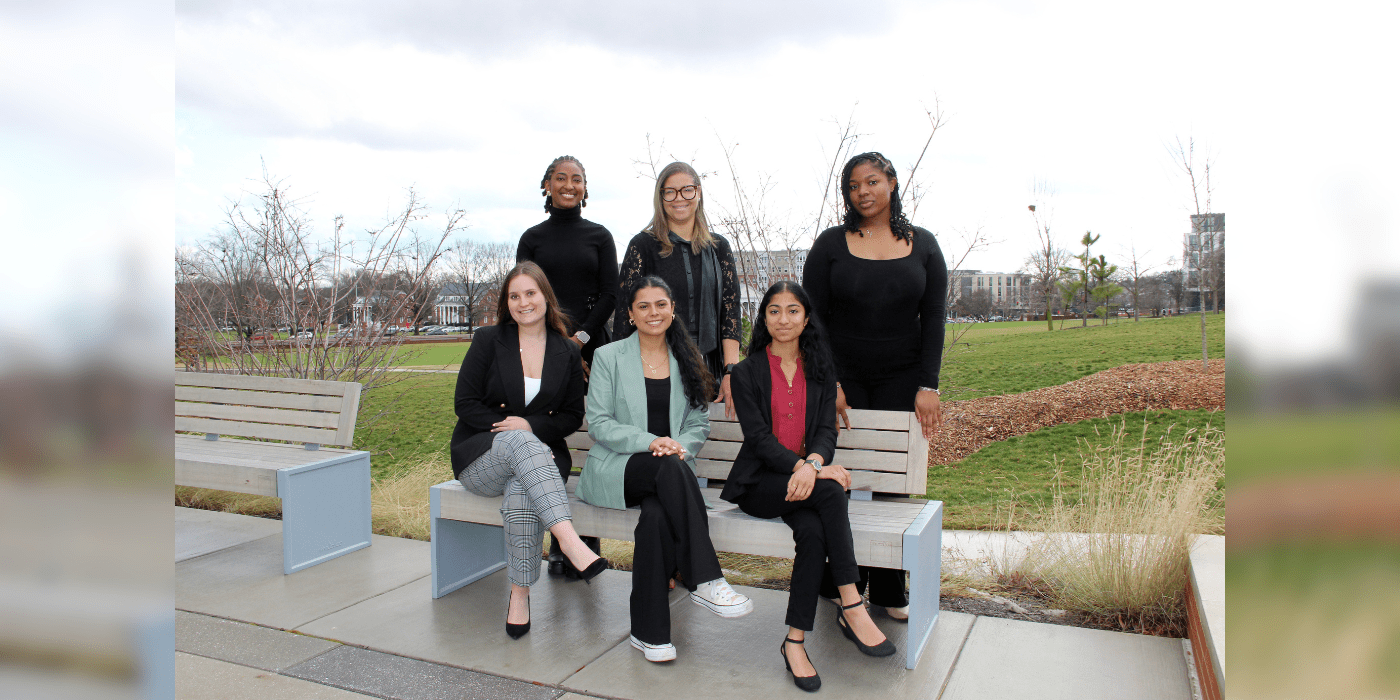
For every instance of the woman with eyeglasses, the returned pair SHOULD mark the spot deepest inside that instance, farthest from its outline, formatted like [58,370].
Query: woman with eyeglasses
[580,259]
[879,285]
[698,264]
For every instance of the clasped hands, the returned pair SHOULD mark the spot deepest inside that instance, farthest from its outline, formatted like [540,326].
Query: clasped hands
[662,446]
[804,478]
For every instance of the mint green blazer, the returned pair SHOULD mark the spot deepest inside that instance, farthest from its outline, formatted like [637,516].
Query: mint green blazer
[617,420]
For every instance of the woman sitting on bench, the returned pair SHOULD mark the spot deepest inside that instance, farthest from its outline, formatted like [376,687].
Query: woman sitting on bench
[648,415]
[785,396]
[519,394]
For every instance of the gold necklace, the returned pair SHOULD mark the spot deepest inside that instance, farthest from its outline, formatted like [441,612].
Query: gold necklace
[654,370]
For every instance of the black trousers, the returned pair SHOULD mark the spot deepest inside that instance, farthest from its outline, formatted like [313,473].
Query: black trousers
[821,533]
[673,535]
[880,390]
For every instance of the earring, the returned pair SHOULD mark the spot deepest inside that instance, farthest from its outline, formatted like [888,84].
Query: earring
[630,322]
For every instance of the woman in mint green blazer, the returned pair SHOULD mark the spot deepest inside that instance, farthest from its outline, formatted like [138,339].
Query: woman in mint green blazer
[648,414]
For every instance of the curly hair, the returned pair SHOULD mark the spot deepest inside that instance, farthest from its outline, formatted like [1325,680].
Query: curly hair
[899,224]
[699,386]
[816,357]
[549,172]
[554,317]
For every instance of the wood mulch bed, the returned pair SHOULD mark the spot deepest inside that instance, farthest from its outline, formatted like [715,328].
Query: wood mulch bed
[970,425]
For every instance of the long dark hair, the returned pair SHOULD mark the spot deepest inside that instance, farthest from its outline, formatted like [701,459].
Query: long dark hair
[699,386]
[554,317]
[899,224]
[816,358]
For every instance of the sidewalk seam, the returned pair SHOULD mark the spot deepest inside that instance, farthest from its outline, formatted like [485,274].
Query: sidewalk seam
[954,666]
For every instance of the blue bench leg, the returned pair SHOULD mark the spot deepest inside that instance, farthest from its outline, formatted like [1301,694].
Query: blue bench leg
[462,552]
[923,559]
[325,510]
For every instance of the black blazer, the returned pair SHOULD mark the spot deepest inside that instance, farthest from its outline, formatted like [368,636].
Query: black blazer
[491,386]
[751,385]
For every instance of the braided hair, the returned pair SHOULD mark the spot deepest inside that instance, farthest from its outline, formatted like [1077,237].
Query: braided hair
[899,224]
[549,172]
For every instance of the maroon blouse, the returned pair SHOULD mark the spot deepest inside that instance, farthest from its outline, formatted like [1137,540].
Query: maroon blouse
[789,405]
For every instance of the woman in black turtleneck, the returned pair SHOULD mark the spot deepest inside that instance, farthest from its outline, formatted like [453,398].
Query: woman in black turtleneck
[578,256]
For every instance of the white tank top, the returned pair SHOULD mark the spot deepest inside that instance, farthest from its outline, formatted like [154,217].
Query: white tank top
[532,388]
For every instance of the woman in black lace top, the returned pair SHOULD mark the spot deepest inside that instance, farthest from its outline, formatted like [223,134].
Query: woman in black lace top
[698,264]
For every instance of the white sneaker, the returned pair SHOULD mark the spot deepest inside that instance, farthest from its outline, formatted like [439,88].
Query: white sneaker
[721,599]
[655,652]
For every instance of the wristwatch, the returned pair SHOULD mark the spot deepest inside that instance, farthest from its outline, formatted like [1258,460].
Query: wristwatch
[929,388]
[730,367]
[815,464]
[582,335]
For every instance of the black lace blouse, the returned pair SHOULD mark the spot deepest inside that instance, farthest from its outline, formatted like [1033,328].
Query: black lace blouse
[643,257]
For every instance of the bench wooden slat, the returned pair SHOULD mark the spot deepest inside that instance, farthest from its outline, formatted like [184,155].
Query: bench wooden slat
[255,383]
[257,430]
[265,399]
[275,416]
[851,459]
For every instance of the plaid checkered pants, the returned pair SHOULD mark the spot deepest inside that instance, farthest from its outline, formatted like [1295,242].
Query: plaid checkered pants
[521,467]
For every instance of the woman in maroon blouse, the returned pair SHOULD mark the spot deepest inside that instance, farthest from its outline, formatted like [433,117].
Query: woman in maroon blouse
[785,395]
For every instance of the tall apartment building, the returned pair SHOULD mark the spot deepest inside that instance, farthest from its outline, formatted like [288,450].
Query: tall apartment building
[1202,254]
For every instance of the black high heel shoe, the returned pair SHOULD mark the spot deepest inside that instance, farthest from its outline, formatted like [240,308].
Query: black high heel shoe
[598,566]
[884,648]
[517,631]
[811,683]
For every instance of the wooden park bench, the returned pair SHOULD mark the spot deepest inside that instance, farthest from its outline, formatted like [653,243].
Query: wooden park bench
[324,490]
[887,454]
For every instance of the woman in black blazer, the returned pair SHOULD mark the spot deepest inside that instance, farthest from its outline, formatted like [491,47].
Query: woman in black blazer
[785,395]
[519,394]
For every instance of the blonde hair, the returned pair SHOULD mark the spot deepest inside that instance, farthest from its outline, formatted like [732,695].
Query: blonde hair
[659,227]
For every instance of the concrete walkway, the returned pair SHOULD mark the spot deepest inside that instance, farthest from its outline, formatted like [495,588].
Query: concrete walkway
[365,625]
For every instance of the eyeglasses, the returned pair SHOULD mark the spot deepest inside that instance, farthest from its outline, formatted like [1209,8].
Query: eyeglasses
[668,194]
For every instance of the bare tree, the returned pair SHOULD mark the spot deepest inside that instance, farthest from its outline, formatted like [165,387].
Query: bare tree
[476,269]
[1135,275]
[1198,176]
[1045,264]
[267,270]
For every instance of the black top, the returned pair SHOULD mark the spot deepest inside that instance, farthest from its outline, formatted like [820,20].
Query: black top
[580,259]
[659,406]
[491,386]
[886,313]
[643,257]
[751,385]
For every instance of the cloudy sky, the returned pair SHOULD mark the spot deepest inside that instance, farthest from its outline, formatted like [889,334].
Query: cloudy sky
[353,102]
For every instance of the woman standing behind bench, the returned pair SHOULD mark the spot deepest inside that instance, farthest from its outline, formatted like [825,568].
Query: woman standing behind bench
[519,394]
[648,416]
[879,285]
[580,259]
[785,395]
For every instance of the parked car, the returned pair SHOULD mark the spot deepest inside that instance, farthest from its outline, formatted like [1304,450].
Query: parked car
[437,331]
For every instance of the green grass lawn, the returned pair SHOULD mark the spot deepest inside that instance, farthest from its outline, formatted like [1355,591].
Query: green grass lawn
[437,354]
[1009,358]
[406,420]
[1350,440]
[975,491]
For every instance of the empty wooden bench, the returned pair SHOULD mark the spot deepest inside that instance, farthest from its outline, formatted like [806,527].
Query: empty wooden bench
[324,490]
[886,455]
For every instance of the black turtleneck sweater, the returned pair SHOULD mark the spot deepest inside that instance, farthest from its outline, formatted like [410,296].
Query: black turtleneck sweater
[580,259]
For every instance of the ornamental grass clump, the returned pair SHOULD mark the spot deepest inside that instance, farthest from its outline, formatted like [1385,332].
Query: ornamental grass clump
[1117,548]
[399,501]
